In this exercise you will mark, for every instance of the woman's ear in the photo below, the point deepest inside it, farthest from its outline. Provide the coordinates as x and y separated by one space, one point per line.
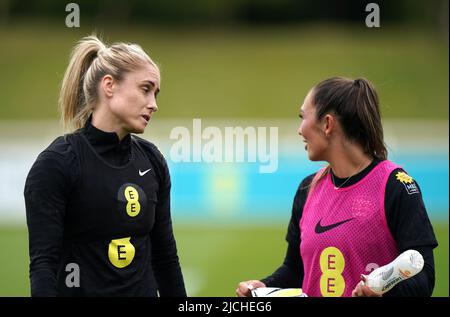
107 85
329 123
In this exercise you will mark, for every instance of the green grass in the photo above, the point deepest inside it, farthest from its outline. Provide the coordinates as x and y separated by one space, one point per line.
213 258
238 71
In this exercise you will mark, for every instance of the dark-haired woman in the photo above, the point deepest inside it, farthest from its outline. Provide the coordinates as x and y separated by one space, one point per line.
359 212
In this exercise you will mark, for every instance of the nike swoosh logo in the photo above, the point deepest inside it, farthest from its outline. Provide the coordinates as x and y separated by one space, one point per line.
144 172
322 229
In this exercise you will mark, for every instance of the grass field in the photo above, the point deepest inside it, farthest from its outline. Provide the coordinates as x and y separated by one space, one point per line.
238 72
213 258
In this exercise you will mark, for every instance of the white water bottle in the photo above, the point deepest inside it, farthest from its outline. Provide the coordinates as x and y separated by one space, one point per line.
405 266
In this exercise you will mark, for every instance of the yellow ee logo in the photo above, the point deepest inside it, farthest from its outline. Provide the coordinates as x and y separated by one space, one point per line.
332 265
121 252
132 197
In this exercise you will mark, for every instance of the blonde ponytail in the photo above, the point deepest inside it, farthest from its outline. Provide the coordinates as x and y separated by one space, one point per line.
72 103
90 61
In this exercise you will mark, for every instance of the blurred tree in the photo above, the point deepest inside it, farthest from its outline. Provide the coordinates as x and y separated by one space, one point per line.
4 12
432 12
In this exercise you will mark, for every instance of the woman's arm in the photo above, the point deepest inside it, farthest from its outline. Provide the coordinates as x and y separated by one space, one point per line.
411 228
46 191
164 250
290 273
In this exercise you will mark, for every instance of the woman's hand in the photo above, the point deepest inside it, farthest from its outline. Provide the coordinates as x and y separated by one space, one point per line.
361 290
244 288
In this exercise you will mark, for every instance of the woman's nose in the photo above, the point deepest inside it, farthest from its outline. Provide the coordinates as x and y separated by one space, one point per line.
153 107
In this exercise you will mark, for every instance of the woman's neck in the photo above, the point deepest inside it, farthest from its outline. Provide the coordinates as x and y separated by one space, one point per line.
348 161
107 123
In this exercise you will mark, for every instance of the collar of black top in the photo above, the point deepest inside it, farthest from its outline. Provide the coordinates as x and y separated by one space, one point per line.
103 138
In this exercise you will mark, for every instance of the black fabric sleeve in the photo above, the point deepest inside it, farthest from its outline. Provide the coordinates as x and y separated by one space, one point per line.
411 228
291 272
420 285
46 190
164 250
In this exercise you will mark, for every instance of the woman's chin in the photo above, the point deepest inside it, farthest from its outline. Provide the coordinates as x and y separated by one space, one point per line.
312 157
139 128
139 131
136 130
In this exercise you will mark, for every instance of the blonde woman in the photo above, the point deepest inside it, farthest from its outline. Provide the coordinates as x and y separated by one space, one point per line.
98 198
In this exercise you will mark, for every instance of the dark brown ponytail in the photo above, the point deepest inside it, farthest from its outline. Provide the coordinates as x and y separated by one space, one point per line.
356 105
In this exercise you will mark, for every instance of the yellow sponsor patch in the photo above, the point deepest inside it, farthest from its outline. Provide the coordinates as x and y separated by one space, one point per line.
408 182
121 252
132 197
332 264
404 178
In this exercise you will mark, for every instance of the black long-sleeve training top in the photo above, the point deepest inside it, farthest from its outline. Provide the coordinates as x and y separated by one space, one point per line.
408 223
100 208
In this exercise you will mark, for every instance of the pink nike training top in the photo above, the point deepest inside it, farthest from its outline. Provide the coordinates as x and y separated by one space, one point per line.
344 233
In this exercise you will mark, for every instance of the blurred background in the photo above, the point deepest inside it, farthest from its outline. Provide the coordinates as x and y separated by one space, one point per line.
239 63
